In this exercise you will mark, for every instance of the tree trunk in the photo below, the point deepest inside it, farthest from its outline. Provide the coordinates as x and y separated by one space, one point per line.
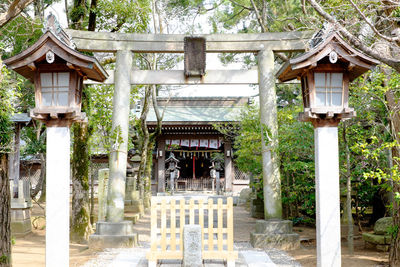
77 14
394 255
349 215
145 142
92 16
5 216
80 217
149 161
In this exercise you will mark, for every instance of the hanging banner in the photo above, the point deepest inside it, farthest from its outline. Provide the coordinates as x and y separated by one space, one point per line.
176 142
213 143
203 142
185 142
194 143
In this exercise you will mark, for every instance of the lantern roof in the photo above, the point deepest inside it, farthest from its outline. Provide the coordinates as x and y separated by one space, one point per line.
171 158
27 62
322 45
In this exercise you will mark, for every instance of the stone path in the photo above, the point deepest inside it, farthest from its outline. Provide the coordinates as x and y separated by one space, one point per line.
136 257
248 256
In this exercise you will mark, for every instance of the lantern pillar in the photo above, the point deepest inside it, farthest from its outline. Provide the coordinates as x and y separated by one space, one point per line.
327 194
120 125
269 122
57 195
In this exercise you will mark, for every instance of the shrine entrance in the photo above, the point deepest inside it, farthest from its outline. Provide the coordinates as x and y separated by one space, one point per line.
194 170
264 45
188 132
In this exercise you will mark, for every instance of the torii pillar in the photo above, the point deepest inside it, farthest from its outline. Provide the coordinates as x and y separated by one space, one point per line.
273 232
115 231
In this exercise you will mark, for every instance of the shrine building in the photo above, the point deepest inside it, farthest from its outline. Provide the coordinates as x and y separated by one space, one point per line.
188 133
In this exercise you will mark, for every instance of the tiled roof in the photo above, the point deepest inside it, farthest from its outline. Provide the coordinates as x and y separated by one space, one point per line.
197 114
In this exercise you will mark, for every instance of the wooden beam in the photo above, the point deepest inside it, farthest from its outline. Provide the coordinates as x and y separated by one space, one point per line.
173 43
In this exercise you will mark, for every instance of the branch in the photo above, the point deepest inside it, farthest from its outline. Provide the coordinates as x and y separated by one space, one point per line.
15 8
264 29
353 40
390 39
242 6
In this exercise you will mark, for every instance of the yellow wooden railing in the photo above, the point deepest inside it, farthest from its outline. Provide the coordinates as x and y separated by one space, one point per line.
168 218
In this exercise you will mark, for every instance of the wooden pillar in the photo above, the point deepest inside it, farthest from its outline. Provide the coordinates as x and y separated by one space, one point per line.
269 126
161 166
229 173
120 124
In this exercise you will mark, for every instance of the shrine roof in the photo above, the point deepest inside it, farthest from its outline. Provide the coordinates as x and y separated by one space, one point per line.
195 115
21 117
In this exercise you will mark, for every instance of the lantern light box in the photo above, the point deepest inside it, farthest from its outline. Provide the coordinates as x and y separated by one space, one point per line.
325 73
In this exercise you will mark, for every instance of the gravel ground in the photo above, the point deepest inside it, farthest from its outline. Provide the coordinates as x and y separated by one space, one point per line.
243 225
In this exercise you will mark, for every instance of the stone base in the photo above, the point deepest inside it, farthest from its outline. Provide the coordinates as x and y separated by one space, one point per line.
21 222
274 234
113 235
132 217
113 241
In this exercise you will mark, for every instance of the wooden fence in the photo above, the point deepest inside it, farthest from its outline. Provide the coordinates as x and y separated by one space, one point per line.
190 184
168 219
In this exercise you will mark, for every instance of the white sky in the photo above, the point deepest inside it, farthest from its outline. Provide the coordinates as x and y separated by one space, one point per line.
58 9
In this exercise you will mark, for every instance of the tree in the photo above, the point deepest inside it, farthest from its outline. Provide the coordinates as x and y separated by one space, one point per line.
372 28
8 13
126 16
7 98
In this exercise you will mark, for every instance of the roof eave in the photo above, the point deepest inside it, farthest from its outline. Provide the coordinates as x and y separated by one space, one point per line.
91 62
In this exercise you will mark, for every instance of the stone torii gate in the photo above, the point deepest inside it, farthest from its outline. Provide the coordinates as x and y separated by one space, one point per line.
123 45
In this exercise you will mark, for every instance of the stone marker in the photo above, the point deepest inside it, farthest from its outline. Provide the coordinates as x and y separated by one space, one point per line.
192 254
12 188
21 198
102 193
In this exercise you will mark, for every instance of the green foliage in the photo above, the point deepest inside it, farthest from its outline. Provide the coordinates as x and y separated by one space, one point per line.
8 94
248 142
296 151
123 16
4 259
100 117
78 12
19 34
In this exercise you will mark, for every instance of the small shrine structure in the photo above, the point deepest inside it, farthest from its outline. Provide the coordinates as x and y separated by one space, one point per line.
188 133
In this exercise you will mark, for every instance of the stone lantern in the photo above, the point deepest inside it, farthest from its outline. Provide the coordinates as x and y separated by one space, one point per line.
57 71
325 73
173 170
